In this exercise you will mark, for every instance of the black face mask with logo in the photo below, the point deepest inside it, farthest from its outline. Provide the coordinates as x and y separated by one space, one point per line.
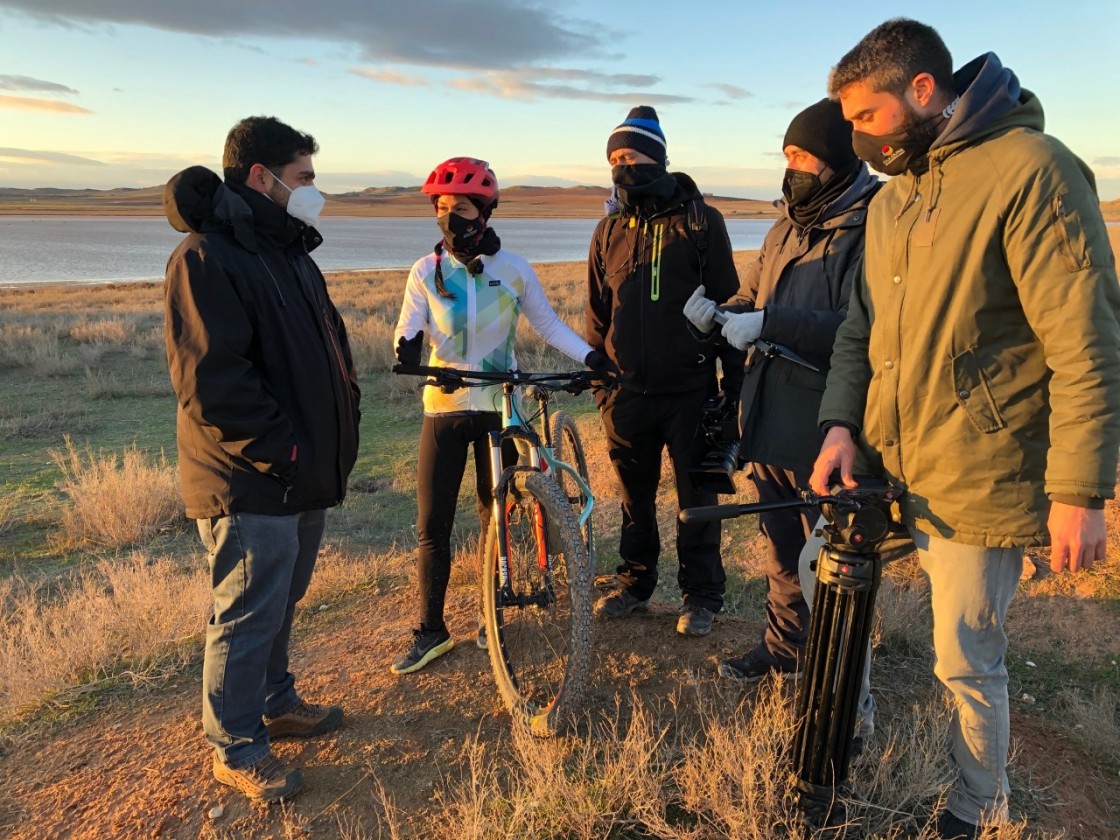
899 151
461 234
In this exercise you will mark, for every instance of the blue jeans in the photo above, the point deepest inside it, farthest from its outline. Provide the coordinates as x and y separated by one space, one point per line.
260 567
971 588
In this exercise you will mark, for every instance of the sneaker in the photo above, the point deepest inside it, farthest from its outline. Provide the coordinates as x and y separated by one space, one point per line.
752 668
619 604
266 780
304 721
952 827
426 646
480 639
695 621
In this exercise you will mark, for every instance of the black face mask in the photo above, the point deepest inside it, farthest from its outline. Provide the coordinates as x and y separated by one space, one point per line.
799 187
638 175
461 234
895 153
638 183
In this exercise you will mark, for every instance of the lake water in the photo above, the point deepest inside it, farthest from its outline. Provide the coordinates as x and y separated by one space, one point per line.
37 249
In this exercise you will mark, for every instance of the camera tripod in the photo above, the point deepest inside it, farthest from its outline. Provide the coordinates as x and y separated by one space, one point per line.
848 570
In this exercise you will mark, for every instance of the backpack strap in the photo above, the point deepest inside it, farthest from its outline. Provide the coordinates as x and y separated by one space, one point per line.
697 224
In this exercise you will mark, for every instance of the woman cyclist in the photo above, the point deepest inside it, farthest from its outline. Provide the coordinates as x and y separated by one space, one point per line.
467 296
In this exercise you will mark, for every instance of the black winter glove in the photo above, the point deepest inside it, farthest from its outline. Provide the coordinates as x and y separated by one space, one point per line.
601 364
408 350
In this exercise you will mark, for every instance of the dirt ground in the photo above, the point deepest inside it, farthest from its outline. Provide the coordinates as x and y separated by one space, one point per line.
139 767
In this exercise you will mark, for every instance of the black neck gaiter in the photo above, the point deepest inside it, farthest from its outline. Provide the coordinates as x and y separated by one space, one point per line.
643 184
807 197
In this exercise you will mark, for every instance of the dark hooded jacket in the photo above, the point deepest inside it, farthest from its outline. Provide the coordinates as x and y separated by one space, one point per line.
642 268
802 278
268 397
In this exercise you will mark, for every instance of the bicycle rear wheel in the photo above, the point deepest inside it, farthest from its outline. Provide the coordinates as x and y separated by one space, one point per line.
538 626
567 447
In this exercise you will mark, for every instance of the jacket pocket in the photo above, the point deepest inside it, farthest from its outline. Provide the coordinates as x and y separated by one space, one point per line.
1071 236
973 394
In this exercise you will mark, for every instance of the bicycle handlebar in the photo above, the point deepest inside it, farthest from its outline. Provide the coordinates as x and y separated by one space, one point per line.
451 379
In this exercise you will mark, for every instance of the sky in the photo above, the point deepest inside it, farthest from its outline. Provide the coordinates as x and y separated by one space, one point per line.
124 93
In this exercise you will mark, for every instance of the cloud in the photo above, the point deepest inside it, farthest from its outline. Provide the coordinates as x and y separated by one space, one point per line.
420 32
28 103
1111 160
731 91
529 83
40 157
27 83
391 77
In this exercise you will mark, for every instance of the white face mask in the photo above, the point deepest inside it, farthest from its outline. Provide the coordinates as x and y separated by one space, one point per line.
305 203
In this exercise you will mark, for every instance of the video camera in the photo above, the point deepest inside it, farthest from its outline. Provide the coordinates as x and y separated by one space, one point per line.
720 422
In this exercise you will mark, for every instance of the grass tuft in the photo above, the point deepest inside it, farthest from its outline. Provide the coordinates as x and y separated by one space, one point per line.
116 500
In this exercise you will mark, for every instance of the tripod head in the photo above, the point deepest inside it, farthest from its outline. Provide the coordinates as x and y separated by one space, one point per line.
859 518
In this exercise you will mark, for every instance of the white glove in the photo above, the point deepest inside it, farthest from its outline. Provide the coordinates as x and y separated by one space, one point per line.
700 311
743 329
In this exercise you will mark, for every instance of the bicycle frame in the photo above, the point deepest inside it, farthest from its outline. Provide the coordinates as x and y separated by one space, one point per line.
541 457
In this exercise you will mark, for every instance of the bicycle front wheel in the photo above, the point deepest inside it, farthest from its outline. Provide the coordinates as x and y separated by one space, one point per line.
567 447
538 625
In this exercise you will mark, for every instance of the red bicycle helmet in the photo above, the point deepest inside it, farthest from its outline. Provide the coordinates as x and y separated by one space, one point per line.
463 176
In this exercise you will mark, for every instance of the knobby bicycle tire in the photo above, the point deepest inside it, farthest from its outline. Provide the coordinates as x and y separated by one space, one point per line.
568 447
539 640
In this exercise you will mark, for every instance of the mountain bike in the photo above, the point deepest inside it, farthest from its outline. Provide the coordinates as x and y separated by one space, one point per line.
536 561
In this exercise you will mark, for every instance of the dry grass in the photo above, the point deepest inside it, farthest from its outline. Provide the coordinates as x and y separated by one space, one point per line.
116 500
8 515
136 620
116 331
70 417
655 773
338 574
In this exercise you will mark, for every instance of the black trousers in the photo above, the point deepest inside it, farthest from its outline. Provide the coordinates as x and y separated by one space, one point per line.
638 428
787 615
444 444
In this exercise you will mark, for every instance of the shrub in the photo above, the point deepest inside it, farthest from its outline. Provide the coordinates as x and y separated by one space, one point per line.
116 500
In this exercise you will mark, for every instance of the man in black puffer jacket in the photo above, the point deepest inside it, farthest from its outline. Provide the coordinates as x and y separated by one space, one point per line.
795 296
267 429
646 260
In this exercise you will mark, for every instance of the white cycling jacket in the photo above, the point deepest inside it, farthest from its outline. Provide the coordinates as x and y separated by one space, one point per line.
476 329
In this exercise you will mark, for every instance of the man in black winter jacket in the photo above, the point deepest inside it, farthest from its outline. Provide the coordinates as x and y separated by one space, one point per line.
646 260
267 430
794 298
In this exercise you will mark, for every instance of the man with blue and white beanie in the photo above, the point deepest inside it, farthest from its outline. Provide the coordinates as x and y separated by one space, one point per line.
647 257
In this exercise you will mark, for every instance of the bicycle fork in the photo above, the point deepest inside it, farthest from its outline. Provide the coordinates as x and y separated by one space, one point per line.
499 515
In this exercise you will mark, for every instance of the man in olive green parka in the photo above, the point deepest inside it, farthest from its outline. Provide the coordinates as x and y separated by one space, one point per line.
979 364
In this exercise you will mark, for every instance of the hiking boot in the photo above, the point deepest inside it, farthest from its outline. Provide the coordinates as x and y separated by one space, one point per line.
426 646
695 621
266 780
480 639
304 721
619 604
752 668
952 827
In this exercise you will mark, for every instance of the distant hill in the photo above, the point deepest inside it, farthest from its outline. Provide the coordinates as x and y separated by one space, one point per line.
524 201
